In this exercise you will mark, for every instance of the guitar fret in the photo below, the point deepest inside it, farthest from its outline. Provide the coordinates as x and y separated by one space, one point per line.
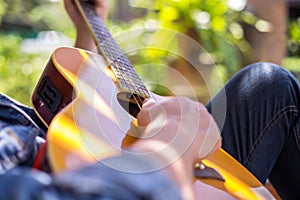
112 53
130 80
104 38
126 71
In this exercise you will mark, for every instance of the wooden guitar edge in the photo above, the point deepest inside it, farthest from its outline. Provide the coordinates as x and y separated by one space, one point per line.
221 159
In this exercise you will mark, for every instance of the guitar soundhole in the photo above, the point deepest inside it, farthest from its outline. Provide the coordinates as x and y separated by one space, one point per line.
130 102
129 96
49 95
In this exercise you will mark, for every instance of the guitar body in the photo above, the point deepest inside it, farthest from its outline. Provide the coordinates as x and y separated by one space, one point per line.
88 123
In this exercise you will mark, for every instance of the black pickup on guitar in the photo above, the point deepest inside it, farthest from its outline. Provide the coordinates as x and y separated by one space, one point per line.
49 95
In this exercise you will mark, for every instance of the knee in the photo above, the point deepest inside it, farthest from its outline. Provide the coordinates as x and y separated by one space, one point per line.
269 73
264 78
267 70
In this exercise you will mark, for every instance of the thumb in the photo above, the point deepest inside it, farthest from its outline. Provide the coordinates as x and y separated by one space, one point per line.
144 115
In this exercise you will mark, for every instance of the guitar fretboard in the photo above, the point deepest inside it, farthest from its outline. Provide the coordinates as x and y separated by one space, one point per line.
110 50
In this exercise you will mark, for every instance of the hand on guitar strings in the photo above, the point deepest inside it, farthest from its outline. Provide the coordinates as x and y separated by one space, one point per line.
180 132
179 121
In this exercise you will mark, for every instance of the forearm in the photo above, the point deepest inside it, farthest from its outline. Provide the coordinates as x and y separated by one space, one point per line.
85 41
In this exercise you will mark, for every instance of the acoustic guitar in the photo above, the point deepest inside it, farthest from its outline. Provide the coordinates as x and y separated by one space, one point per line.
89 103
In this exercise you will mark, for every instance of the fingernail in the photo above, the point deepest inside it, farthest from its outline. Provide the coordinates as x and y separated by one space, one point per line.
145 100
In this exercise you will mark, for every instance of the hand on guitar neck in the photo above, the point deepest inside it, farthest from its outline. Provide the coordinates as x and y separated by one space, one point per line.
84 39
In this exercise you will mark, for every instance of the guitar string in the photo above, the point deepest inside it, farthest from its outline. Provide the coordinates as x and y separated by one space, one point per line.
147 95
123 73
88 10
113 62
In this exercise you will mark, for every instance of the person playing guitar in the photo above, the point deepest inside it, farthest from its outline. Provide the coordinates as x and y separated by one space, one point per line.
261 131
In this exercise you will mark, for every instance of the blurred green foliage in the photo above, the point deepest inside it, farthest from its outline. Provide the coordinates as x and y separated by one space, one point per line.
292 64
292 61
294 37
19 71
217 27
212 23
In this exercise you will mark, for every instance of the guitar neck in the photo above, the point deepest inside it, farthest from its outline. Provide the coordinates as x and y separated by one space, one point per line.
127 78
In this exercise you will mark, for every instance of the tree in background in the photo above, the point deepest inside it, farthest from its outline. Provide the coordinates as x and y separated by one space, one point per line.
268 38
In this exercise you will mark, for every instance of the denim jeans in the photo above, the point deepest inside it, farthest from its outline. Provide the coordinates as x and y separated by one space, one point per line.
21 134
260 124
